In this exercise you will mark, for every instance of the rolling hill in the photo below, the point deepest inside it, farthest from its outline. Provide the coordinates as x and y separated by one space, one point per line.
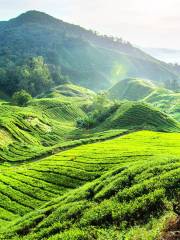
139 116
144 90
86 58
49 124
119 179
131 89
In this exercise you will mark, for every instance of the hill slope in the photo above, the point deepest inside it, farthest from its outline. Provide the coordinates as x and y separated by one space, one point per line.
144 90
123 191
135 115
131 89
88 59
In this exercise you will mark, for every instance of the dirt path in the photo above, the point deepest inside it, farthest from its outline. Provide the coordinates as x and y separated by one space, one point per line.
172 232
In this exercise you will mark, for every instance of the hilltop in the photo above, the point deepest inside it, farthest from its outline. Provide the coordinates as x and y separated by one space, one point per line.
131 89
144 90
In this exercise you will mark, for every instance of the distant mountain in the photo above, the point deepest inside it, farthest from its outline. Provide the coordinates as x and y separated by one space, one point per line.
88 59
164 54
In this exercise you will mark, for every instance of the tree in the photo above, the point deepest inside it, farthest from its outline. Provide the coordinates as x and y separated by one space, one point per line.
86 122
35 77
21 98
99 102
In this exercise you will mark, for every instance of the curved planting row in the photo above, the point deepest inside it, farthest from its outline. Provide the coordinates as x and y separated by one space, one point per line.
104 189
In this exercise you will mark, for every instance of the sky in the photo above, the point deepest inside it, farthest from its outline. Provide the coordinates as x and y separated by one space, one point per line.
146 23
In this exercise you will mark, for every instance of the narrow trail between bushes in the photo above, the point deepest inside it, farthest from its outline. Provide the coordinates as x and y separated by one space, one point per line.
172 232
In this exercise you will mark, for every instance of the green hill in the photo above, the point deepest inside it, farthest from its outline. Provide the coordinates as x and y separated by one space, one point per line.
131 89
68 90
136 115
144 90
27 132
59 181
85 57
122 188
168 102
74 164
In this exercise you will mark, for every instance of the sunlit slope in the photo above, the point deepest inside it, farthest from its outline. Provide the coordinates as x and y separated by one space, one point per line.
30 131
138 115
131 89
144 90
168 102
125 182
69 90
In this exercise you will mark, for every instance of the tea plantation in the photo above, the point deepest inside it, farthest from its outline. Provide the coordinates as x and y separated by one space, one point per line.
118 179
108 190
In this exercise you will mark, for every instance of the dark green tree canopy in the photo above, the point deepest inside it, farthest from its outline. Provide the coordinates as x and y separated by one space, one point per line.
33 75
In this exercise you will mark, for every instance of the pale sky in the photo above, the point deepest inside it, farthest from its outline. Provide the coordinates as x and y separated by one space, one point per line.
149 23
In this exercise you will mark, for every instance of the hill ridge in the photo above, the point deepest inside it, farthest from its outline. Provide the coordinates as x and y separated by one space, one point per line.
88 59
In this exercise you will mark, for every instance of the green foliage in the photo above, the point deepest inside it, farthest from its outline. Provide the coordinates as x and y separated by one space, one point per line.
104 190
59 178
87 122
21 98
33 75
129 115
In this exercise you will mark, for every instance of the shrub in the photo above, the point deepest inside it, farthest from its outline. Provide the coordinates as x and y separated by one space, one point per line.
87 122
21 98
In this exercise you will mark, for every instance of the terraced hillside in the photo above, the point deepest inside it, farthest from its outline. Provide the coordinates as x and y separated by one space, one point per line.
135 89
112 181
30 131
118 189
131 89
136 115
69 90
168 102
48 124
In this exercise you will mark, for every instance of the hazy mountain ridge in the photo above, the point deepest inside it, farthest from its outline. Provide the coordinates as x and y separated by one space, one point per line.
88 59
164 54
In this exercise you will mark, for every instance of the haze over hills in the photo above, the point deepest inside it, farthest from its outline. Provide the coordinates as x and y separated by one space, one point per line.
163 54
87 58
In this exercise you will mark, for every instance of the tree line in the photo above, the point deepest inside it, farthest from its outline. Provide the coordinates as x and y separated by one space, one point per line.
33 76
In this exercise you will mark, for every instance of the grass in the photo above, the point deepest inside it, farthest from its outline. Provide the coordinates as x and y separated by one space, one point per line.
107 189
